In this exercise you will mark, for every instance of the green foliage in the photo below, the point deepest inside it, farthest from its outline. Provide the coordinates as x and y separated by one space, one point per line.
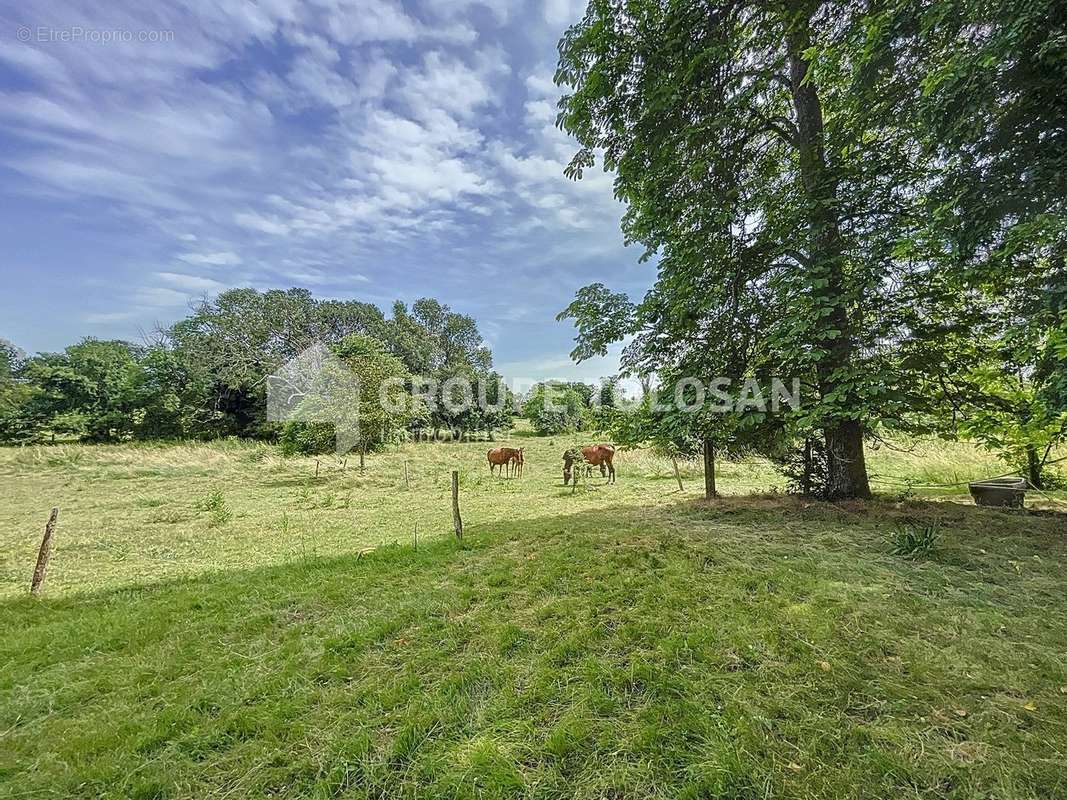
17 426
983 111
383 406
307 438
914 541
214 505
10 360
868 197
804 467
556 407
87 390
206 376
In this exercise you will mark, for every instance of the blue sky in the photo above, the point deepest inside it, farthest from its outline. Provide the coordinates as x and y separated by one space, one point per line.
363 149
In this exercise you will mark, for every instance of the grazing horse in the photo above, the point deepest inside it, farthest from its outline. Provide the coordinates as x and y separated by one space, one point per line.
506 457
597 455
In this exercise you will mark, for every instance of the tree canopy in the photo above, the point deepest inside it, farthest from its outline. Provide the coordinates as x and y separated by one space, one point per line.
809 178
206 375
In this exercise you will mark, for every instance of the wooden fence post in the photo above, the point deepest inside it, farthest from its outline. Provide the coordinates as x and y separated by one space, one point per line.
45 553
678 475
457 521
407 480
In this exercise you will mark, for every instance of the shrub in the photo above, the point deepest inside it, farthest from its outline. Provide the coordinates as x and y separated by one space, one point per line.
307 438
804 468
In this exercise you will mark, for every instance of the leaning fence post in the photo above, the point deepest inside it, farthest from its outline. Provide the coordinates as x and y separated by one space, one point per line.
44 553
407 480
677 474
457 521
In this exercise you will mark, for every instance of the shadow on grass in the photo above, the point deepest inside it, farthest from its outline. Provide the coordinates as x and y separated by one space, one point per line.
759 515
617 650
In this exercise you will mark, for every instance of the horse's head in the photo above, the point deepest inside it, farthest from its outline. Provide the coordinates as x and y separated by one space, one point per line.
569 457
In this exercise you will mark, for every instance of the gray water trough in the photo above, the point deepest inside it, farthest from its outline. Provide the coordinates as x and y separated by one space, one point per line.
1003 492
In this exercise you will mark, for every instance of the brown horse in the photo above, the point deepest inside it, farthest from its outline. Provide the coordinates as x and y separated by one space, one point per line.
597 455
506 457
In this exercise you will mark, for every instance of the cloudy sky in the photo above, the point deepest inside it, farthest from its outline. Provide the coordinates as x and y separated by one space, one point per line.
152 153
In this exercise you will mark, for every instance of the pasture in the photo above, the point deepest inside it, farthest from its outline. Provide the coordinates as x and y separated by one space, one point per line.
220 622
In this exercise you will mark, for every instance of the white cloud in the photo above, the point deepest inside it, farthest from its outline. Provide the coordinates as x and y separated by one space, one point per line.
220 259
315 80
541 85
559 13
190 283
106 317
258 222
389 146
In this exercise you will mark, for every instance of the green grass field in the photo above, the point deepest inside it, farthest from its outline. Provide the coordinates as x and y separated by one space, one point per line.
220 622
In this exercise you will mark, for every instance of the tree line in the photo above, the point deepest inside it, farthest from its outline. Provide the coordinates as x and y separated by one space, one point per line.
207 375
869 197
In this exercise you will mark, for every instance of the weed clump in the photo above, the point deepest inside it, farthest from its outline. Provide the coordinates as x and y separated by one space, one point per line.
214 504
914 541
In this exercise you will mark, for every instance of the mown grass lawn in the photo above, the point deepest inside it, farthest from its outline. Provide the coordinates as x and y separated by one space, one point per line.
616 642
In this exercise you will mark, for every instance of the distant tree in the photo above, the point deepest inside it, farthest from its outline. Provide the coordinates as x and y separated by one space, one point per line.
169 402
554 407
370 404
454 337
86 390
18 424
498 413
10 359
446 348
229 345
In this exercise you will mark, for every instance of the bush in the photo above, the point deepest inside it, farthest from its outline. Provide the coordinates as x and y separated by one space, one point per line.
307 438
804 468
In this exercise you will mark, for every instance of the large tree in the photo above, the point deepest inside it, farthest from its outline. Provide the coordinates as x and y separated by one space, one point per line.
977 89
755 199
87 390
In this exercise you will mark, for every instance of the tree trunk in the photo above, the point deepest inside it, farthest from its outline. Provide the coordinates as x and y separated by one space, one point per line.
805 481
846 469
709 469
1033 468
677 474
